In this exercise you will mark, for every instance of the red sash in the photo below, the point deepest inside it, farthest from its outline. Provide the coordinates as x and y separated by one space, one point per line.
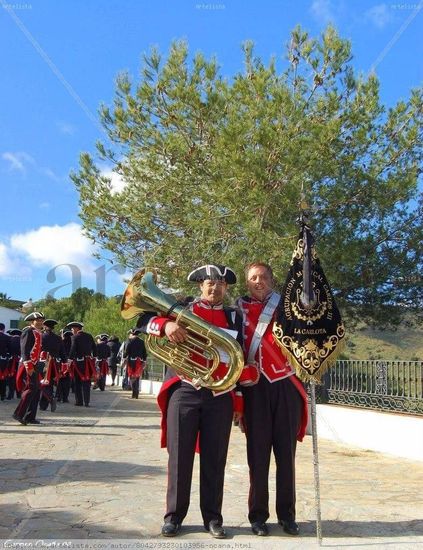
89 371
135 368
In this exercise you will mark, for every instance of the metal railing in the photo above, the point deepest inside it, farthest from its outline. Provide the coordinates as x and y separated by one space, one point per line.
155 369
383 385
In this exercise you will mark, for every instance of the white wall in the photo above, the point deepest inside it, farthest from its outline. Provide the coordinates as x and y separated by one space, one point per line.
8 314
393 433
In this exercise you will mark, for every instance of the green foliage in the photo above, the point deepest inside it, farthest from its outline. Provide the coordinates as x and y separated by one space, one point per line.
98 313
105 317
74 308
214 170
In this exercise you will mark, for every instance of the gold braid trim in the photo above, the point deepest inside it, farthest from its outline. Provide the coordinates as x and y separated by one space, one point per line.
310 361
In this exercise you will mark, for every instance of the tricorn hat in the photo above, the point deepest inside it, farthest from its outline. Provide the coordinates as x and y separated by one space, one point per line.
34 315
51 323
212 272
14 332
75 324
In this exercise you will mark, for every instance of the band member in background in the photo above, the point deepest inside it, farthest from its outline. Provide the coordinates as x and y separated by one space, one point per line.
275 405
4 360
64 383
101 365
135 355
123 360
189 413
82 353
27 379
52 354
114 346
15 355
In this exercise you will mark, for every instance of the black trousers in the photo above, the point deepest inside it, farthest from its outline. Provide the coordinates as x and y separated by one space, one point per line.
11 382
3 389
63 389
191 412
135 385
272 415
27 407
46 395
113 371
4 363
82 387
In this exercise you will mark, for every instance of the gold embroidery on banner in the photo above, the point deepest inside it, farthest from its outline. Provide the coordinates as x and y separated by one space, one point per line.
307 356
307 314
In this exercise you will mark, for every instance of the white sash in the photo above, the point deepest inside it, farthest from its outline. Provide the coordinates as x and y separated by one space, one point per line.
262 324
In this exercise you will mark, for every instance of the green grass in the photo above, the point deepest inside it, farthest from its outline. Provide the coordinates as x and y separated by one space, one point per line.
405 344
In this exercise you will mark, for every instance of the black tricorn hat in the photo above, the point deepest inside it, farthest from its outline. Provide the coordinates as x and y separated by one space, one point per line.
34 315
103 337
136 331
14 332
212 272
51 323
75 324
65 331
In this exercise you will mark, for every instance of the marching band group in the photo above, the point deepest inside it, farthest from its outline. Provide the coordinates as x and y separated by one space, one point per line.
268 401
41 367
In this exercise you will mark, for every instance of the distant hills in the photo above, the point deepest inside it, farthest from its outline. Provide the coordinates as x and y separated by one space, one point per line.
404 344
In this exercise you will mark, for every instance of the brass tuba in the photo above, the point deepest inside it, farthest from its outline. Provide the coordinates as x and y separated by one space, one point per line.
205 343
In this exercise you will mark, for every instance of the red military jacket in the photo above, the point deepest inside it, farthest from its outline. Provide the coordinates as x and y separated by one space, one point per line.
270 361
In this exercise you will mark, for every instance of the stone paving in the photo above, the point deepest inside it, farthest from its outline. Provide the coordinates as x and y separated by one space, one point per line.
96 478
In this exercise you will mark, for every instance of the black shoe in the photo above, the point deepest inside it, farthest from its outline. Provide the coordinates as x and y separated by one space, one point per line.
87 404
216 530
65 400
170 529
289 526
9 397
260 529
35 421
53 405
21 420
78 404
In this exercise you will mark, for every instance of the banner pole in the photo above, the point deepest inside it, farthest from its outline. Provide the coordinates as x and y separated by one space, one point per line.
316 463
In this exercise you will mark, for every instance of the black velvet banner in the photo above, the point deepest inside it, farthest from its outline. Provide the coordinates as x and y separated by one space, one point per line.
309 328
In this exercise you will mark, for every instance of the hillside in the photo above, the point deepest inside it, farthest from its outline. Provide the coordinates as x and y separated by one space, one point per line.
404 344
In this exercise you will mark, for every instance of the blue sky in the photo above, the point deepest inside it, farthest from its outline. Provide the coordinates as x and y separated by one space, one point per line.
59 61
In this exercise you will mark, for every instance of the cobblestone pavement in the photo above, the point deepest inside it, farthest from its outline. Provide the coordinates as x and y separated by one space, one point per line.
97 476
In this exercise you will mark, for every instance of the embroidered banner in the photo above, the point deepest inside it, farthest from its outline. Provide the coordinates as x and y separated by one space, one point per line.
308 328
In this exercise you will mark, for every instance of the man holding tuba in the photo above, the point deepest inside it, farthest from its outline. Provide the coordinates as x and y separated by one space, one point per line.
197 417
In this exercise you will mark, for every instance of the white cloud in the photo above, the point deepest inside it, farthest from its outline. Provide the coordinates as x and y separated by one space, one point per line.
55 245
45 205
11 266
322 11
379 15
117 183
17 161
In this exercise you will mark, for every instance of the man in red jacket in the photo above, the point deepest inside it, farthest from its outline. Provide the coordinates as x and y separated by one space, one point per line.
28 377
192 415
275 405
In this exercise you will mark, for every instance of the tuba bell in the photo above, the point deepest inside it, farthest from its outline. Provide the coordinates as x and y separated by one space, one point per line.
199 356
